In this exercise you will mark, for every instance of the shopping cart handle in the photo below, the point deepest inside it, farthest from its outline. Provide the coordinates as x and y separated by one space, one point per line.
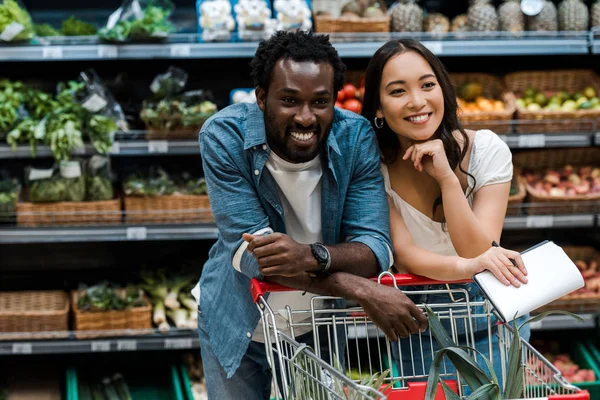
259 288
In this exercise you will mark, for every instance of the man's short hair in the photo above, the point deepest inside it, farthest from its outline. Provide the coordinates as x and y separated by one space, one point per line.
297 46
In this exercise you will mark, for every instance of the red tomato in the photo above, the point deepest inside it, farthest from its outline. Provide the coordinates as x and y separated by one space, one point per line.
341 96
349 91
339 104
353 105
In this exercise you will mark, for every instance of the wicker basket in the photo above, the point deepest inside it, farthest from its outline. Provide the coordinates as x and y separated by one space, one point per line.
175 134
46 312
556 158
166 209
552 82
69 213
492 87
515 201
328 24
135 318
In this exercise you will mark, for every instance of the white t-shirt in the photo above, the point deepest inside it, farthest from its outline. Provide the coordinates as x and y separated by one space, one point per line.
300 194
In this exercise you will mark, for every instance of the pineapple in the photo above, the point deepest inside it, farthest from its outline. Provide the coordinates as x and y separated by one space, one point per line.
407 16
546 20
482 16
573 15
596 14
511 16
436 23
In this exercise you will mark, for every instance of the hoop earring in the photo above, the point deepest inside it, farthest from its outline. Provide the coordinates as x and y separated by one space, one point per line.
378 124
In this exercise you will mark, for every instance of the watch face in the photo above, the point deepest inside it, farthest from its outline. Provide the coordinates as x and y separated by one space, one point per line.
320 252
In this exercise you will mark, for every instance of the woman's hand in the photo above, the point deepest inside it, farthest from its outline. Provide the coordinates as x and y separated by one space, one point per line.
497 261
430 157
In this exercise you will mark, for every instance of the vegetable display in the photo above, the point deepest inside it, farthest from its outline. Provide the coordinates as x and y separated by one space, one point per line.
15 22
9 193
159 183
148 24
107 296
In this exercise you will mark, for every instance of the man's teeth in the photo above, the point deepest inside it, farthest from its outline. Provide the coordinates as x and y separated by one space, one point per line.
419 118
302 136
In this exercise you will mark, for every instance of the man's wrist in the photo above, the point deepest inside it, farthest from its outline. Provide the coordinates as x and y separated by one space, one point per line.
311 262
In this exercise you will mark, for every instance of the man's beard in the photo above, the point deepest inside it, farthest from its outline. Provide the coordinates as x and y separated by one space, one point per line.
281 143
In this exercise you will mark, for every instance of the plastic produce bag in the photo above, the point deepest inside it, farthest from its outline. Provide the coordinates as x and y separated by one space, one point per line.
187 110
65 183
156 183
15 22
98 185
139 20
169 83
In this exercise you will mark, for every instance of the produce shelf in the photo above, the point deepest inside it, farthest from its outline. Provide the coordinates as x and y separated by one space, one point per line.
176 339
351 45
10 235
550 221
563 322
595 40
597 139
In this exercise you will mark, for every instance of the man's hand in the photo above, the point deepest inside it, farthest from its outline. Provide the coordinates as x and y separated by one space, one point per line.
392 311
279 254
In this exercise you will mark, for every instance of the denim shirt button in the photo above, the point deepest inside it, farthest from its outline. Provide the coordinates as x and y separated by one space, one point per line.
256 172
249 334
264 146
253 147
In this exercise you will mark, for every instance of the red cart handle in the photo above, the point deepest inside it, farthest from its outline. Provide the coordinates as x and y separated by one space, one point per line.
259 288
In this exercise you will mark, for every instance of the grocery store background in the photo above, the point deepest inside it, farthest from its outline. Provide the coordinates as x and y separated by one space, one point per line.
55 250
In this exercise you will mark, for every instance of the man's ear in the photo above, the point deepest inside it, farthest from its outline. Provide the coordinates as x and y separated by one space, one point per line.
261 98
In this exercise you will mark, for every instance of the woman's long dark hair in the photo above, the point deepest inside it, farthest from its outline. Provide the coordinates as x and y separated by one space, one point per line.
387 139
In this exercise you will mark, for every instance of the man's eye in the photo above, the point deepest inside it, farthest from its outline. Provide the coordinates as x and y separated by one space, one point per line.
288 100
322 101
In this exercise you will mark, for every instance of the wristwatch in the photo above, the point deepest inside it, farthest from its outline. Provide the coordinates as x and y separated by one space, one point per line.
321 254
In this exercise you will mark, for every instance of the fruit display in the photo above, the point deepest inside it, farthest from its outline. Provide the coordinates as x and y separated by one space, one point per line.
460 23
595 22
567 181
573 15
570 370
362 9
350 97
471 99
536 100
512 18
407 16
482 16
546 20
591 275
436 23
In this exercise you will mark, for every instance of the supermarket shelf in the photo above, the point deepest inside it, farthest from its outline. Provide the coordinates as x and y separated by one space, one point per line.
550 221
595 40
597 138
10 235
179 340
524 141
563 322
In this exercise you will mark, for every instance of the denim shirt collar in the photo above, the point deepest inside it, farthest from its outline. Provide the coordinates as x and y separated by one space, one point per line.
256 135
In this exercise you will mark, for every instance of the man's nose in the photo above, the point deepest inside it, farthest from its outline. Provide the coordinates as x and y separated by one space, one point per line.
305 116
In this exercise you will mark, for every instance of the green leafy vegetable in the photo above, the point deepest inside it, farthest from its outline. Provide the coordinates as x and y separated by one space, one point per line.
100 129
76 27
106 296
11 12
46 30
63 133
9 193
154 25
27 131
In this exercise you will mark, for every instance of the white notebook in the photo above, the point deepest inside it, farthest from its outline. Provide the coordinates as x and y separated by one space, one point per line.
551 275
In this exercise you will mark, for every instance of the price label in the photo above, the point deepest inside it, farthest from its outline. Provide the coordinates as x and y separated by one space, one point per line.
158 146
435 47
100 346
52 52
540 221
180 343
108 51
22 348
126 345
137 233
181 50
115 148
532 140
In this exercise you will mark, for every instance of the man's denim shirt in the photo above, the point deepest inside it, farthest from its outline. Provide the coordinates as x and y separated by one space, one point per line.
244 199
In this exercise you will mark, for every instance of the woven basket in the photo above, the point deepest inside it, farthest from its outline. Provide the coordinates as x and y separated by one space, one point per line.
97 321
327 24
165 209
175 134
515 201
492 88
556 158
69 213
25 312
551 82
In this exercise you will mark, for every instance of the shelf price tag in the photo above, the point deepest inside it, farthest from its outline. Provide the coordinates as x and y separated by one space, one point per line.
539 221
22 348
100 346
105 51
528 140
158 146
181 50
137 233
115 148
436 48
179 343
126 345
52 52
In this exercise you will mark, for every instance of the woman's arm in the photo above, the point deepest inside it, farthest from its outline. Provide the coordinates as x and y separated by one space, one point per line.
419 261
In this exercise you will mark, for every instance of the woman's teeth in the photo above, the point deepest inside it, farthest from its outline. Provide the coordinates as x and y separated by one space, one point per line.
303 137
419 118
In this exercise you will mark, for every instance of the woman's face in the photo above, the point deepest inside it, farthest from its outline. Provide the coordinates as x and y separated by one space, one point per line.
411 98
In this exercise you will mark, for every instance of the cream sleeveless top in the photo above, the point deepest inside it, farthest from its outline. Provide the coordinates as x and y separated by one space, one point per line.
490 163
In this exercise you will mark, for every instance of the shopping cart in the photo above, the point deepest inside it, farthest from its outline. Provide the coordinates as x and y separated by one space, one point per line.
302 372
